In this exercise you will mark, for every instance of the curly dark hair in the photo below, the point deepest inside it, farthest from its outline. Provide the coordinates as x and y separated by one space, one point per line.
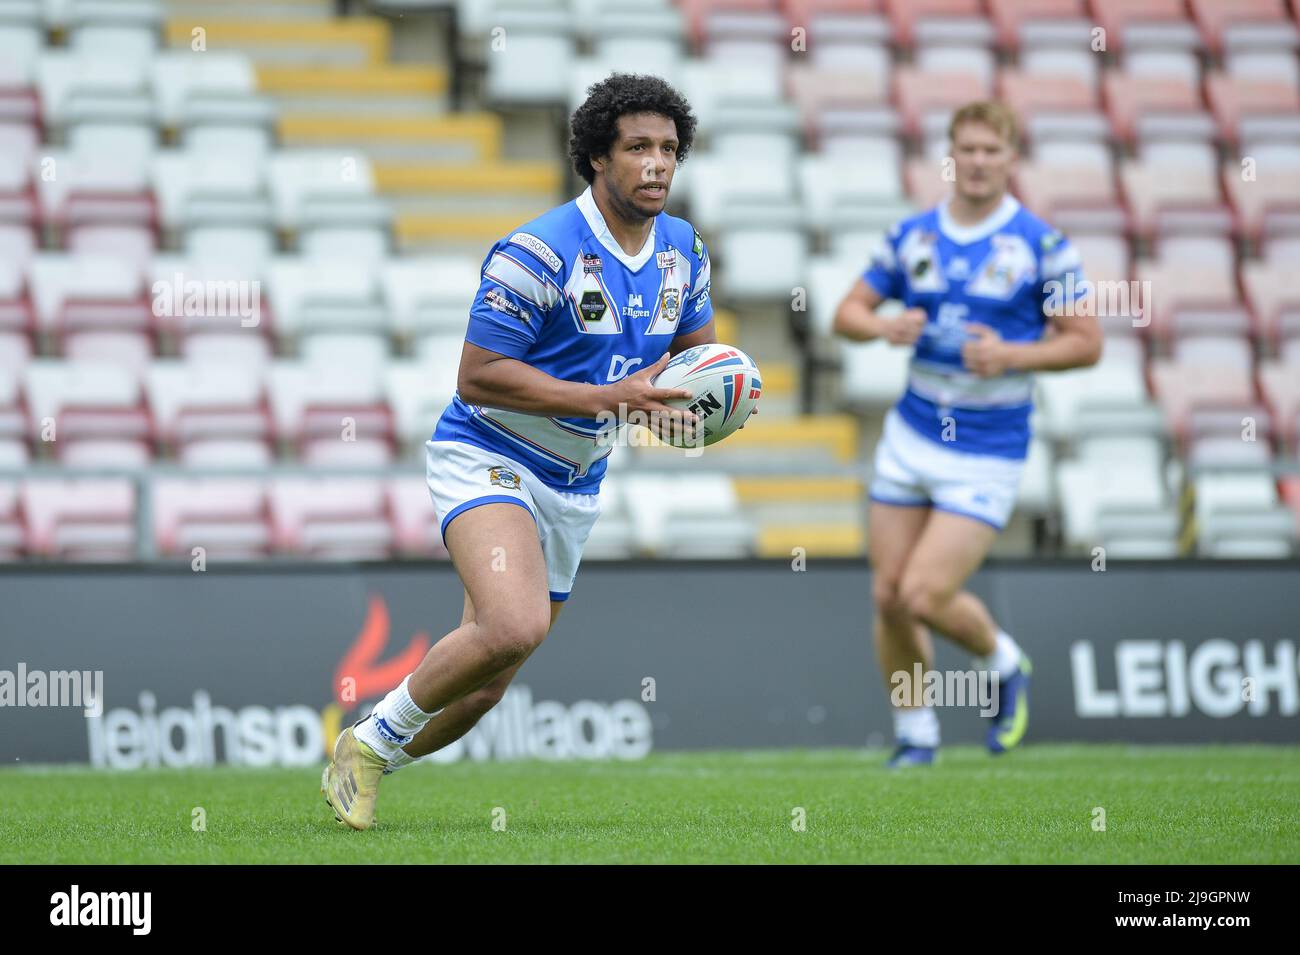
595 122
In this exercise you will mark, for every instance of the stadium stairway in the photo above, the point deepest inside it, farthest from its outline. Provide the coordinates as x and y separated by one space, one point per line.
336 86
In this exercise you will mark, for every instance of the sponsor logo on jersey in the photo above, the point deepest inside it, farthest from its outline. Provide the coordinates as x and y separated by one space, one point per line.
591 262
958 269
592 305
620 367
539 248
505 477
666 260
670 304
633 308
698 247
495 299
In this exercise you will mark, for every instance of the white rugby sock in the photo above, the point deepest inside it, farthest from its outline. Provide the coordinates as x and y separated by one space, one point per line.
399 759
1004 659
393 723
918 725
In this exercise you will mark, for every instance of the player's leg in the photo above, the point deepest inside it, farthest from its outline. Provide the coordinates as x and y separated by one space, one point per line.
952 548
460 717
496 550
901 641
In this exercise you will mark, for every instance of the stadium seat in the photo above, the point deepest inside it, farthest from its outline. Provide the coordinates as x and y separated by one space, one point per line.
1243 23
1239 516
1143 23
1247 108
1039 18
80 518
415 522
227 517
331 518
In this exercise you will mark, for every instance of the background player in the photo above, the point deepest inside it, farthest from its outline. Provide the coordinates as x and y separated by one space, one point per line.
976 276
577 311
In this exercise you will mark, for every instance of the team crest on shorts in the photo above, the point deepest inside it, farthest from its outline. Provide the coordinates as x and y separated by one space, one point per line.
505 477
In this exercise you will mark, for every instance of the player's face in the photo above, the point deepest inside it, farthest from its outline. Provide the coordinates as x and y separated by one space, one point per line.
983 160
641 163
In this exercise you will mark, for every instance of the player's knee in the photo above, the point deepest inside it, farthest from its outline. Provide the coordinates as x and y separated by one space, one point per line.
482 700
888 596
510 637
922 599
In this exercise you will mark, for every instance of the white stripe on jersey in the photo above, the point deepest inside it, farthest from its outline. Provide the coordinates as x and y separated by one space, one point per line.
515 276
952 388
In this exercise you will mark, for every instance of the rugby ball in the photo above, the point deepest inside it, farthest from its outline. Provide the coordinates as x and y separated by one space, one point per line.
724 385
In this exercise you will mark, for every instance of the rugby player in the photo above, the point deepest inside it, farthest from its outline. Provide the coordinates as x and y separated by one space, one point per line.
986 292
576 313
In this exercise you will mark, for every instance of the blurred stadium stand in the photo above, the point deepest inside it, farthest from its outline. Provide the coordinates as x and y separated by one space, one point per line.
344 167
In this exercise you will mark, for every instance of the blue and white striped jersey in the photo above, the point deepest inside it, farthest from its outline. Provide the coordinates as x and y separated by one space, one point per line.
1000 273
560 294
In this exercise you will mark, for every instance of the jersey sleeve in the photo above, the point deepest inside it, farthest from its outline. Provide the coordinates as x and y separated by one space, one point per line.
1061 269
699 306
883 273
518 291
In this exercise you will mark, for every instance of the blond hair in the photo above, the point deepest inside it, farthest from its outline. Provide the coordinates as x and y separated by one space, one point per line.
997 116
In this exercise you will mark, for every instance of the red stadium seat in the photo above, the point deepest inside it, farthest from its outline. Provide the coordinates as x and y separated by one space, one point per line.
227 517
1011 16
1181 199
335 518
1075 199
1215 17
699 12
1266 203
1181 387
80 518
906 13
415 522
1243 106
1132 100
13 539
1279 384
1145 23
931 94
1179 285
1273 291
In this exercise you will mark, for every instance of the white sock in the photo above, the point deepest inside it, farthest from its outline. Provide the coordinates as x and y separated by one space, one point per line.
393 723
398 760
1004 659
918 725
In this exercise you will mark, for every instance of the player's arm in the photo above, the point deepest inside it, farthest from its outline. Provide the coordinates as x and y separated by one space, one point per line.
706 335
489 378
857 320
1072 342
1074 337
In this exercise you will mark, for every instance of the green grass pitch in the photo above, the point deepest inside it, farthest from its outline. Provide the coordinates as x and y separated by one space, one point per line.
1202 804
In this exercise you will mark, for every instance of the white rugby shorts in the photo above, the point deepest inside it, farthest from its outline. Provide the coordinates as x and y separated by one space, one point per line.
461 476
913 471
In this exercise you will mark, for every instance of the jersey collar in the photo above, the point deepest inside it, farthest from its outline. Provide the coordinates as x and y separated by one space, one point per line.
591 212
966 234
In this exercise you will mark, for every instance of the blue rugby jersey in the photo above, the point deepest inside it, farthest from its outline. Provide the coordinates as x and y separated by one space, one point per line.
560 294
999 272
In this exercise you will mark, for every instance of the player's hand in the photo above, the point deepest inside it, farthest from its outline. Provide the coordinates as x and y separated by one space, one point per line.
985 353
906 328
637 393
